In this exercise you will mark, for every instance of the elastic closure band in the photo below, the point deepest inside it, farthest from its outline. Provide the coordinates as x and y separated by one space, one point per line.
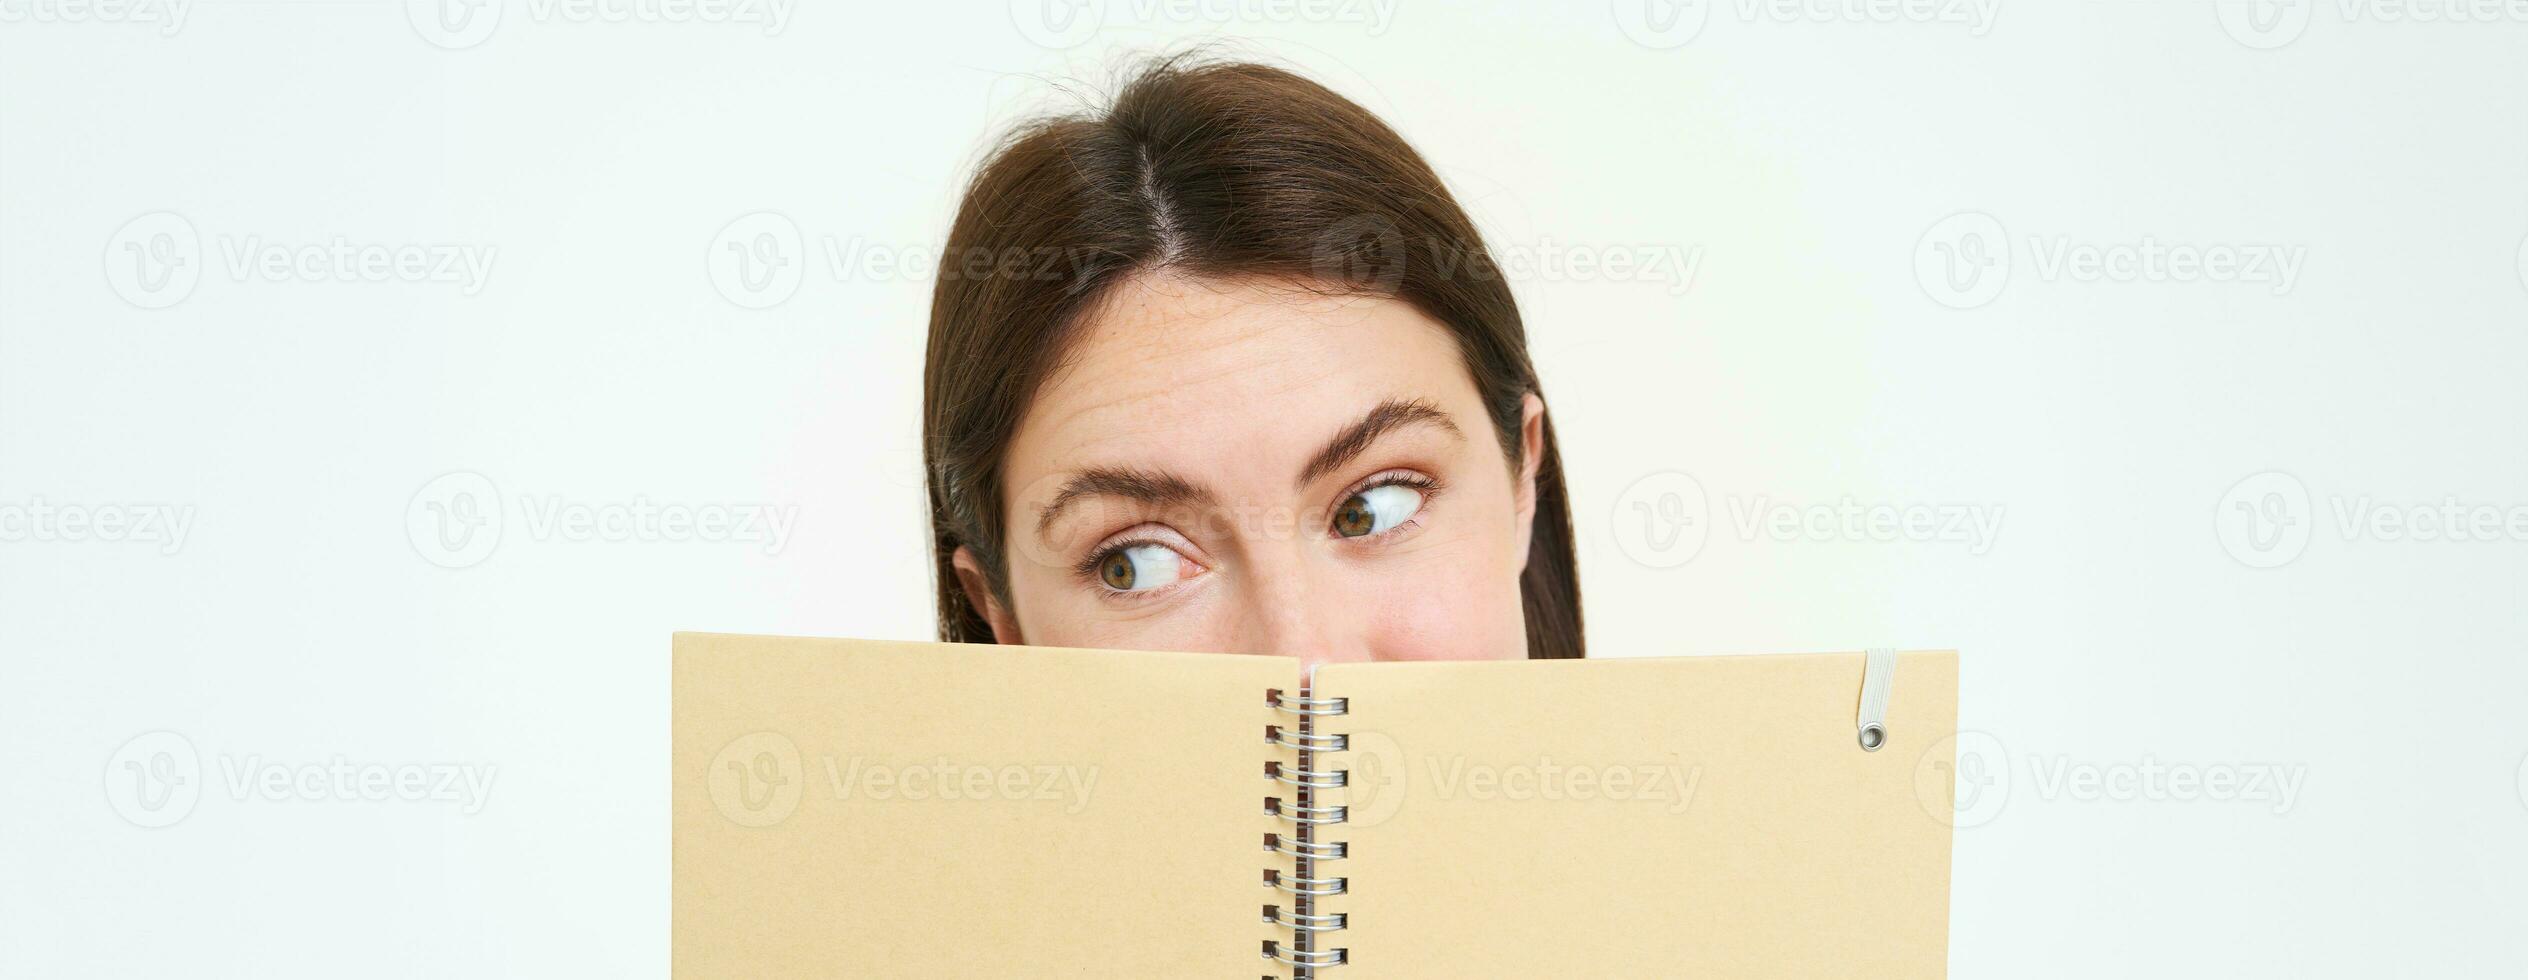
1878 674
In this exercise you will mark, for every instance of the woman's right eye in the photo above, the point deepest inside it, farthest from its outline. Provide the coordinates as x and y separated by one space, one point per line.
1139 567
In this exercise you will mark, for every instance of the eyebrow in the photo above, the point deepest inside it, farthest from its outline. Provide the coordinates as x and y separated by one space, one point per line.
1356 438
1145 486
1167 489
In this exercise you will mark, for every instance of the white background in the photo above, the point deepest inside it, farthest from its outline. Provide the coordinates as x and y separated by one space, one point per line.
2150 611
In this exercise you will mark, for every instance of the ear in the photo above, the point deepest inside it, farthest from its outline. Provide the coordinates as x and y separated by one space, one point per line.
1531 458
978 588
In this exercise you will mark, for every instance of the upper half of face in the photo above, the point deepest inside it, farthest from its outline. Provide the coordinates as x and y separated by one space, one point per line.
1249 468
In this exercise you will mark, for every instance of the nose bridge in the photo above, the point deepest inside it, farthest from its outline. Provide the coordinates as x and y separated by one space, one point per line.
1298 610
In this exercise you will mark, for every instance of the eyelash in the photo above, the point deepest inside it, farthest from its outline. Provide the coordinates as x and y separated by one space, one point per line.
1430 488
1087 568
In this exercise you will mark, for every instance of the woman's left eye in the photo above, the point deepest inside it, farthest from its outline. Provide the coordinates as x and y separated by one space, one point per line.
1139 568
1376 510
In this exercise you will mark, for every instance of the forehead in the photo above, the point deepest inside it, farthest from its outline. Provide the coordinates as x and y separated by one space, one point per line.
1228 381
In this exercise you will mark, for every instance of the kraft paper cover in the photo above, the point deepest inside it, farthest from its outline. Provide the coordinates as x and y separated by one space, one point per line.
1102 812
860 808
1703 816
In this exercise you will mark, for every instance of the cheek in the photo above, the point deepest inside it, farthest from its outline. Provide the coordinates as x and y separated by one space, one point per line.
1456 599
1460 617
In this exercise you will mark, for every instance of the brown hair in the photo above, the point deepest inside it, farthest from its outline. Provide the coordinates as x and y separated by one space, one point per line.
1215 170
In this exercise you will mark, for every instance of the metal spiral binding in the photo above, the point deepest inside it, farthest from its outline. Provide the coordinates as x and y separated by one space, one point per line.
1303 881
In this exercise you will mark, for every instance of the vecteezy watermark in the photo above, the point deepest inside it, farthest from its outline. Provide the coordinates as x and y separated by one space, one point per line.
2522 262
760 260
457 520
35 519
1964 261
1662 24
154 261
1966 780
458 24
760 779
1546 260
2273 784
1977 526
1369 254
156 779
1061 24
1669 783
2264 24
2269 24
941 779
1661 520
1378 779
167 15
2266 520
1963 780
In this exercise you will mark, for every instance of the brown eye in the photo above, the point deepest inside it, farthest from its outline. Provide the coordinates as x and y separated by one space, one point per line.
1141 568
1116 571
1354 518
1377 510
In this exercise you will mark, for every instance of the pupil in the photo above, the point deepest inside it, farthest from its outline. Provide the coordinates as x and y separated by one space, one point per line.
1354 519
1117 571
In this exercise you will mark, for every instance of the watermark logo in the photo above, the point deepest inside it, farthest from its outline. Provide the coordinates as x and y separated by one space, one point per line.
154 261
168 15
2264 24
1662 520
460 24
457 520
1976 526
756 780
1546 260
1064 24
1374 780
154 780
2275 786
1661 24
757 261
1057 24
1963 261
1963 780
763 259
467 786
1966 781
1378 777
2522 262
454 521
2267 520
454 24
945 780
2264 521
2269 24
2522 780
40 520
1363 253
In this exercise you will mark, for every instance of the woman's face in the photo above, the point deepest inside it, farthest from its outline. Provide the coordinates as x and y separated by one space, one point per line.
1247 468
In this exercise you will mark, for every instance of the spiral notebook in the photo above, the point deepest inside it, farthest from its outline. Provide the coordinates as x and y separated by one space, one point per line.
885 809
